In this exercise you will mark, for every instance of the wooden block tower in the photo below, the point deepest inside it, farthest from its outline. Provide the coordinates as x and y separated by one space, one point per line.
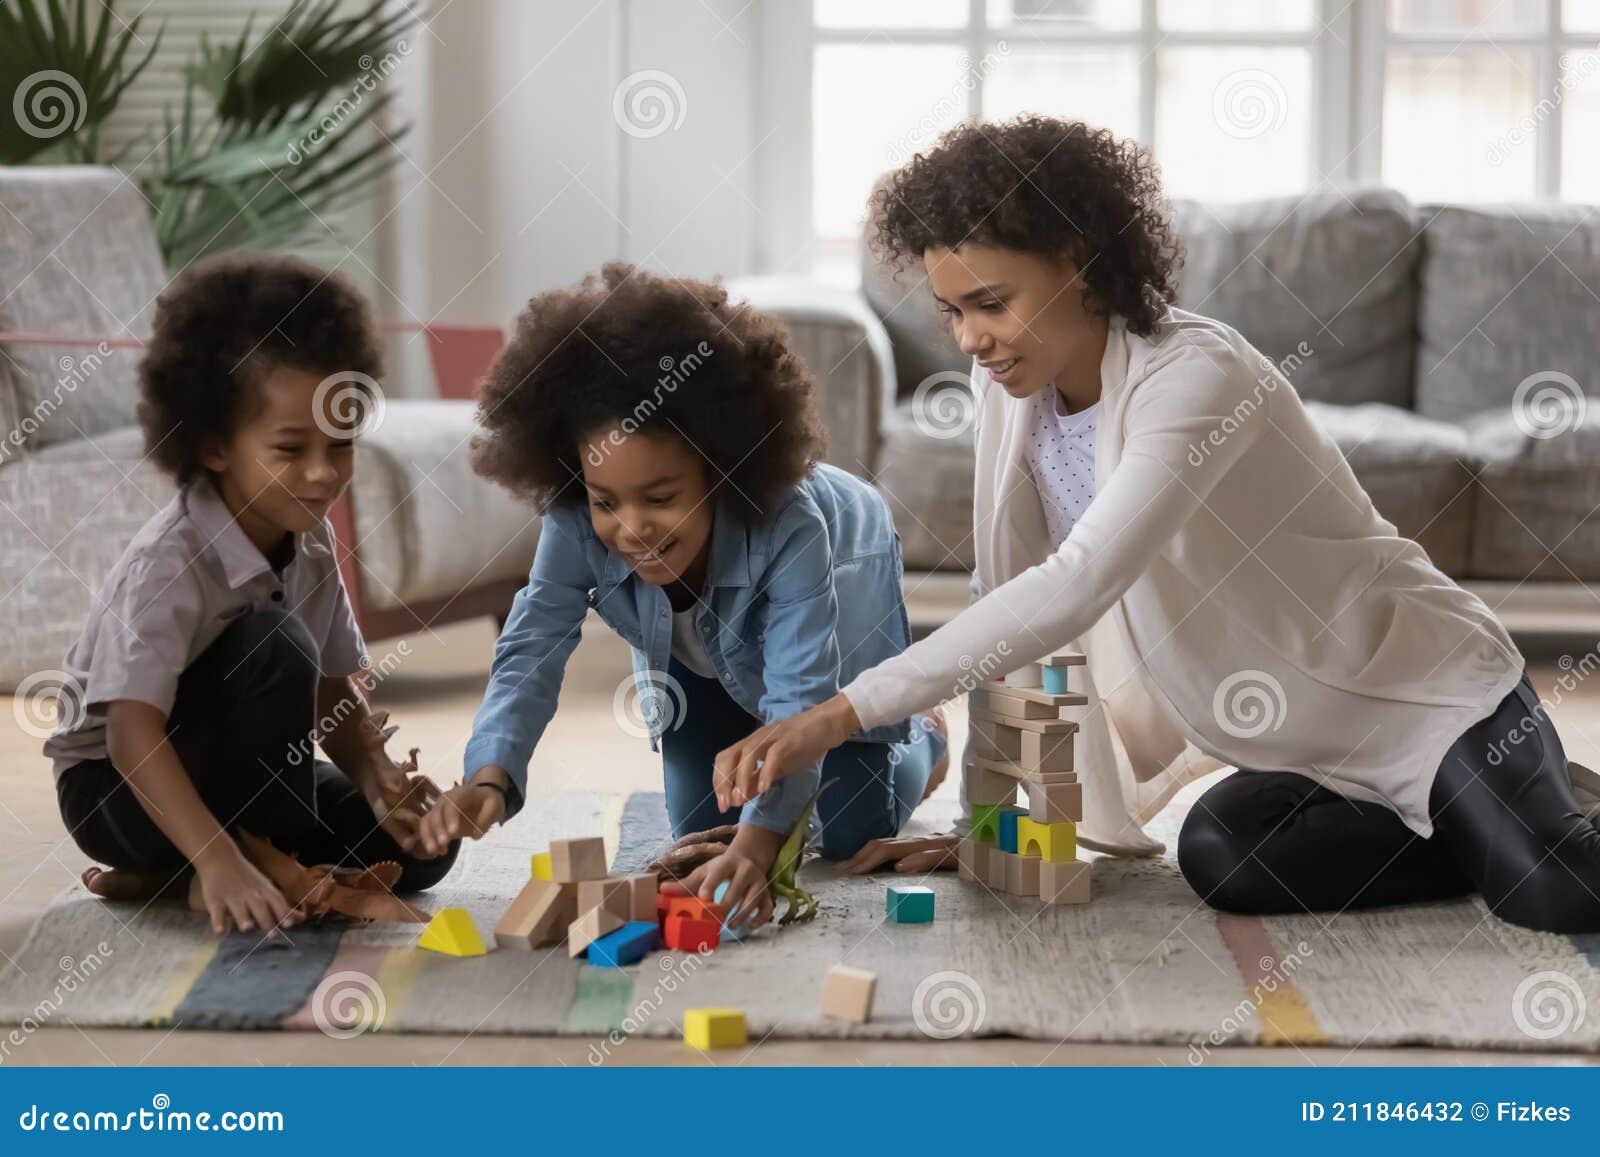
1019 738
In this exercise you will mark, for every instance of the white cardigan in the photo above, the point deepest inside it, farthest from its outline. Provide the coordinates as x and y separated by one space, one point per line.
1239 600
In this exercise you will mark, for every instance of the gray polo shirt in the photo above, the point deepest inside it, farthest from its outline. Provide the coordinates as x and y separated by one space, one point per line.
189 572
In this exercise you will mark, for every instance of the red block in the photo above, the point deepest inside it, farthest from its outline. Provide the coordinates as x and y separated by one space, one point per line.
687 934
662 900
695 908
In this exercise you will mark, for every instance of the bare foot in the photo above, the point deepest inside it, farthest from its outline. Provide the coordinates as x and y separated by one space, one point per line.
941 768
124 884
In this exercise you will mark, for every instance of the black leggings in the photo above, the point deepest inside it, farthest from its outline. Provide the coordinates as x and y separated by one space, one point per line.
1505 824
240 723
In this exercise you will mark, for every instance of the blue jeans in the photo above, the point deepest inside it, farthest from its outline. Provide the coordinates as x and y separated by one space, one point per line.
880 784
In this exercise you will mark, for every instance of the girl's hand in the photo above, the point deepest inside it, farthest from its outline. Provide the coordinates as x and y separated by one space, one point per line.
769 753
466 811
235 894
744 866
908 854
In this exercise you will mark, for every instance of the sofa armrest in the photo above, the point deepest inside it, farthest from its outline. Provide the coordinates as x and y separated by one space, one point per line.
838 336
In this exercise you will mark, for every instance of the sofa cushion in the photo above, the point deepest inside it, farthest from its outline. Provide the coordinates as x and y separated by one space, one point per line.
79 258
1536 511
1418 473
1324 285
1507 292
921 338
927 478
426 525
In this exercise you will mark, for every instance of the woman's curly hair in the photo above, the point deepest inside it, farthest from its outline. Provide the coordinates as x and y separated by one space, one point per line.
634 351
226 323
1040 185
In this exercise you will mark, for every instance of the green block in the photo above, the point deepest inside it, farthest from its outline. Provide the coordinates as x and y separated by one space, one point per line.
910 904
986 823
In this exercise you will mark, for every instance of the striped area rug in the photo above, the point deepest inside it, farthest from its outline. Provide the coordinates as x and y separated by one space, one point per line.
1145 962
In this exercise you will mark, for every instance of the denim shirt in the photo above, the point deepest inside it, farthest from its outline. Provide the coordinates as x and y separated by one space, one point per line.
794 606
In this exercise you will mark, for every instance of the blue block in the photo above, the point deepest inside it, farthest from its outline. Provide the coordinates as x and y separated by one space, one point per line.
1055 680
627 945
1008 827
910 904
727 933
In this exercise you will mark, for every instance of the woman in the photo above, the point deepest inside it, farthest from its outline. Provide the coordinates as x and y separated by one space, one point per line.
1151 490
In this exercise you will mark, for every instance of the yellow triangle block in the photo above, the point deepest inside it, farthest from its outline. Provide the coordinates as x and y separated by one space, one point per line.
451 932
541 868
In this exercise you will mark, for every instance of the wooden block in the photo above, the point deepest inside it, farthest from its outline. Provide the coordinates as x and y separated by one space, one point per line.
695 908
574 860
538 916
451 932
1054 803
1011 698
611 893
1065 883
1039 726
1046 752
642 896
1057 843
627 945
1011 706
1022 875
994 737
909 904
1062 660
972 863
686 934
998 869
1026 675
1055 680
990 787
539 867
1024 774
847 993
589 927
1008 828
985 827
714 1028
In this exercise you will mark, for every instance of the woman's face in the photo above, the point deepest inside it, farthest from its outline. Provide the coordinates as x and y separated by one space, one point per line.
650 502
1020 314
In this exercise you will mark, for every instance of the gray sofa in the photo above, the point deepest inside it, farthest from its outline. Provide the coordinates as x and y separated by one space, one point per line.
78 258
1418 324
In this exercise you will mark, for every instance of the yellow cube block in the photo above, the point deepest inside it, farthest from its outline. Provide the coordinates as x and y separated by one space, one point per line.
451 931
714 1028
541 868
1056 843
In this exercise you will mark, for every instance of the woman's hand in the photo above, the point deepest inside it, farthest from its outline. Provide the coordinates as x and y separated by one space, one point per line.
908 854
766 755
466 811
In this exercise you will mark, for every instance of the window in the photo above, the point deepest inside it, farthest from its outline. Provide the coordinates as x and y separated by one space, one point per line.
1456 100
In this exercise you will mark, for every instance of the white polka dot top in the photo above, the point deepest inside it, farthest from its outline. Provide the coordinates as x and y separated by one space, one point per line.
1061 455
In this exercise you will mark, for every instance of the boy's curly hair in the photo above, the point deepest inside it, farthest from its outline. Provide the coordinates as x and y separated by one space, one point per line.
642 353
1040 185
221 327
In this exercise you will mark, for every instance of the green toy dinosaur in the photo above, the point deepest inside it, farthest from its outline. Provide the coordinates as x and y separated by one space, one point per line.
781 876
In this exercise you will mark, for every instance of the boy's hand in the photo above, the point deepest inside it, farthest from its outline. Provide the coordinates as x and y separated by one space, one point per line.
466 811
744 866
235 893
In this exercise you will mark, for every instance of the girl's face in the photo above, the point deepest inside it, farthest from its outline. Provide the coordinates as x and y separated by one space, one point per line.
650 502
1020 314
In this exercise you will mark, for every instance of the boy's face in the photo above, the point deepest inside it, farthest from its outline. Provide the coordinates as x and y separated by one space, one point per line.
650 503
285 463
1020 314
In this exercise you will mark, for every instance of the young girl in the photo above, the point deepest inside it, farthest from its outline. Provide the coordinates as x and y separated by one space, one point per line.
1151 490
670 438
222 644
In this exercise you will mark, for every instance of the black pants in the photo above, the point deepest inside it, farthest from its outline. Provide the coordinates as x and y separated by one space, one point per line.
241 724
1506 825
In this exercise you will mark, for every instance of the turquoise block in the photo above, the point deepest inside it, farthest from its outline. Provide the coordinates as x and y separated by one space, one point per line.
627 945
1055 680
910 904
727 933
1008 827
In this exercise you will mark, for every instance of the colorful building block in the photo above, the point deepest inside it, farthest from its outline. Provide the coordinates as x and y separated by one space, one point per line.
847 993
1022 875
538 916
695 908
574 860
727 931
451 931
627 945
540 868
1064 883
611 893
642 896
1054 842
1008 827
714 1028
589 927
986 823
910 904
1054 680
687 934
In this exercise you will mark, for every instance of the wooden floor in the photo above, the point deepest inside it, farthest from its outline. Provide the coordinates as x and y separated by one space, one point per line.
433 690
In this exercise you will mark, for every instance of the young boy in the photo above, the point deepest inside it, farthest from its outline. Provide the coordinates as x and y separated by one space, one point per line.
222 644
